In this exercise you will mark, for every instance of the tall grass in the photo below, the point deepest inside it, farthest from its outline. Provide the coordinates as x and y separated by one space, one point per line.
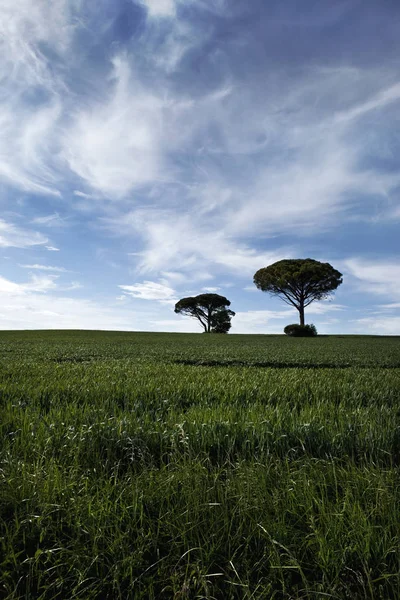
132 468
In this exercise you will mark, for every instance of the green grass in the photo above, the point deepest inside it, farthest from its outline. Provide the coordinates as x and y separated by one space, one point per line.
181 466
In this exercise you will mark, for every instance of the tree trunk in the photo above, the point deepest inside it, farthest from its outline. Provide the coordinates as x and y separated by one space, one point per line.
301 311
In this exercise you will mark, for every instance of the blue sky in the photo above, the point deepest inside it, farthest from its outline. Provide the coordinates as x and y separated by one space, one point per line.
155 149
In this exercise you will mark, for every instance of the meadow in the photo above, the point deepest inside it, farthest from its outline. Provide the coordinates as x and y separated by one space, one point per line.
191 466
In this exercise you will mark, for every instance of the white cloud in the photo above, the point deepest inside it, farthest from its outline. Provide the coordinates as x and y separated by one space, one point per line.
126 139
24 27
17 237
38 304
37 283
379 325
160 8
52 249
165 46
83 194
375 277
28 134
179 324
391 306
150 290
37 311
114 145
321 308
270 321
40 283
74 285
306 173
9 287
255 322
45 268
175 277
173 240
26 146
53 220
259 321
378 101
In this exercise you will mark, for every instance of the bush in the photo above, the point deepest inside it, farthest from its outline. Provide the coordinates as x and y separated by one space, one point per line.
296 330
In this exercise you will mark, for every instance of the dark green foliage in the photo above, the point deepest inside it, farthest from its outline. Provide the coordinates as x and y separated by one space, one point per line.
296 330
209 309
221 321
298 282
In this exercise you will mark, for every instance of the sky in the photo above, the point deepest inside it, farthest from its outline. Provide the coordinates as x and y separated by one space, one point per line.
157 149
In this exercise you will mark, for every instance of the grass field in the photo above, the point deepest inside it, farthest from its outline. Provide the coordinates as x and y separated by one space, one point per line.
156 466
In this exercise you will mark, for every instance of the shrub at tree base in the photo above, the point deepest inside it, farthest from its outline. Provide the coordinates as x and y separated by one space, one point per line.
296 330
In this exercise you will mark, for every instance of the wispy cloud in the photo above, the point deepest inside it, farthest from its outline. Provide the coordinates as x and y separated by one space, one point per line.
83 194
151 290
42 283
37 283
391 306
25 27
378 101
74 285
261 321
26 146
179 324
27 305
53 220
17 237
304 172
324 307
179 240
379 325
160 8
379 277
28 140
45 268
114 146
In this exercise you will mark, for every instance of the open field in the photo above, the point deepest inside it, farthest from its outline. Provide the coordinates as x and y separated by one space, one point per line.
156 466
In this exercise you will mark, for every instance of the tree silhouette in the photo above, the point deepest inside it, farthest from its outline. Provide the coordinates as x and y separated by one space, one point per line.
298 282
209 309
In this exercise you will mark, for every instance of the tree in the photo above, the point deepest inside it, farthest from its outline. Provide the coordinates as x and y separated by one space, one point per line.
221 321
298 282
209 309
